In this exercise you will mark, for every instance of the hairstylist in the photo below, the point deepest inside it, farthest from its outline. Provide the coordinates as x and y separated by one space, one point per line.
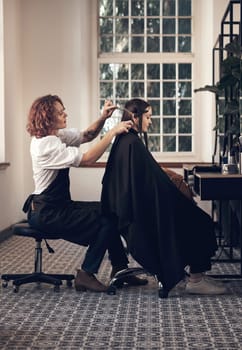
54 150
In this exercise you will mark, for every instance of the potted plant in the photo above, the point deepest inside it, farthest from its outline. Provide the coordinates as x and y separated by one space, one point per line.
227 100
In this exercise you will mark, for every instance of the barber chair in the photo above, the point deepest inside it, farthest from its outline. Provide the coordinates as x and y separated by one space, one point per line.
24 230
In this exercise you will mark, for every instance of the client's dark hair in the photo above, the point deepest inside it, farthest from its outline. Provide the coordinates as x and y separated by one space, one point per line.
138 107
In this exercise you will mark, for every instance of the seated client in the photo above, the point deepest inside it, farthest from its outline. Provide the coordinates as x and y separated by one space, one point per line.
165 230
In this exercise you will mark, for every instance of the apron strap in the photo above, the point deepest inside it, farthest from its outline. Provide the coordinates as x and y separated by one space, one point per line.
27 203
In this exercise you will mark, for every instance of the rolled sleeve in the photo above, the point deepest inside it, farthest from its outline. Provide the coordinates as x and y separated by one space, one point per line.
51 153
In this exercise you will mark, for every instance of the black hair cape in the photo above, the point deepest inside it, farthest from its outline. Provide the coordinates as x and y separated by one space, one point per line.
164 230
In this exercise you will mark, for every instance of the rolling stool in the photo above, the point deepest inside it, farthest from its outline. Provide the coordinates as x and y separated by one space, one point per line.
24 230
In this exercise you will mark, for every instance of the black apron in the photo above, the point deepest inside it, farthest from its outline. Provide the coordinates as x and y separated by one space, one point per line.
54 212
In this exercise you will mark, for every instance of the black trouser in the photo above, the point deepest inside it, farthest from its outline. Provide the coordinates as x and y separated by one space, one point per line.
106 238
201 266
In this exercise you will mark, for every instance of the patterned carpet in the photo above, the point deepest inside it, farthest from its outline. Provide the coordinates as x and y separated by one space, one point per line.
134 318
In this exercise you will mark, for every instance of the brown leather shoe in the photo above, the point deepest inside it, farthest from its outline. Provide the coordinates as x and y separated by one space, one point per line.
87 281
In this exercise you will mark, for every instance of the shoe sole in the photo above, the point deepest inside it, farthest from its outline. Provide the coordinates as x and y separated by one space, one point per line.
85 289
201 293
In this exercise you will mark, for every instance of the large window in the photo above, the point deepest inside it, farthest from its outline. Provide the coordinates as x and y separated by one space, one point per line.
145 25
145 51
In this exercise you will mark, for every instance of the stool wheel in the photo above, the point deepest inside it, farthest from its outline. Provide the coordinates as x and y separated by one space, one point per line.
15 289
69 284
56 288
163 293
5 284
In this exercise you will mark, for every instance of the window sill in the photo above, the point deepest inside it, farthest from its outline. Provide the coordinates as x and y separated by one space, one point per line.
4 166
163 164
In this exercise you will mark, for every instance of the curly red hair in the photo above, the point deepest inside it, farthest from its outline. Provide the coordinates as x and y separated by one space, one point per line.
42 115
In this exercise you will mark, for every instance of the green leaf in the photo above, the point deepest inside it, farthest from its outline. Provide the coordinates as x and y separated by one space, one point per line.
231 107
234 47
212 88
226 81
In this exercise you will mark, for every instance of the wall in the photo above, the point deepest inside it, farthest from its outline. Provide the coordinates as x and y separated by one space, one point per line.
207 30
12 179
56 53
50 48
47 50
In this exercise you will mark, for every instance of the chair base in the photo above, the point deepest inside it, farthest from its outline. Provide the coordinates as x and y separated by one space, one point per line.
38 277
116 281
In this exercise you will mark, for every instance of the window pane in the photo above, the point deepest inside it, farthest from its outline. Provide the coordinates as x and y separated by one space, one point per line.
155 104
169 125
153 26
117 114
169 89
153 89
137 44
122 26
122 44
169 144
106 44
155 126
221 125
153 7
184 26
153 44
169 8
105 7
169 71
122 8
106 90
221 105
137 26
154 143
120 103
137 71
137 8
169 26
184 44
184 8
122 71
185 107
185 144
106 26
169 107
153 71
185 71
184 125
185 89
137 89
169 44
122 89
110 123
106 72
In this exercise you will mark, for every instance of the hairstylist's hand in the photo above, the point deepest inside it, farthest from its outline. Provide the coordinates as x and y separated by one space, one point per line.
108 109
122 127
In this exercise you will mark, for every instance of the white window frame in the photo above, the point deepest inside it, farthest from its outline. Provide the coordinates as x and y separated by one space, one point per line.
2 124
156 58
203 106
